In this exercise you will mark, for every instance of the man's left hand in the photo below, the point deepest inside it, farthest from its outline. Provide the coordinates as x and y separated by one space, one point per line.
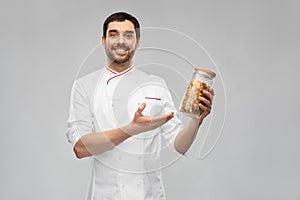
206 103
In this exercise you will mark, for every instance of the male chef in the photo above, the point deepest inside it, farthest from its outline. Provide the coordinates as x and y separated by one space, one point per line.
123 119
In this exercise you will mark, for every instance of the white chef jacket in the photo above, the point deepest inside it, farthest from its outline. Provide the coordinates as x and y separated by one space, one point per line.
105 100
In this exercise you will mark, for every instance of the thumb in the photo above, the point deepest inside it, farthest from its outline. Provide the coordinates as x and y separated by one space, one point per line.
141 107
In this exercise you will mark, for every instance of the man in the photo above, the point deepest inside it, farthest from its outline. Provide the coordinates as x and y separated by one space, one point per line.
120 115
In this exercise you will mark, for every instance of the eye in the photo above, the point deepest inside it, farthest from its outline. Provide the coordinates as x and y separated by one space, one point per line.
113 35
129 35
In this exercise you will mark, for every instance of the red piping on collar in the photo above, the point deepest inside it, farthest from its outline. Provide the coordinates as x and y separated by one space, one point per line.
124 72
111 70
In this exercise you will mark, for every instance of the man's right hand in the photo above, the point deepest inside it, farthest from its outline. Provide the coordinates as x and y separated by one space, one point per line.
142 123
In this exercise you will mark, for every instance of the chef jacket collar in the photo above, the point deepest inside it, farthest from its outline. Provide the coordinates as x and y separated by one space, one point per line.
116 74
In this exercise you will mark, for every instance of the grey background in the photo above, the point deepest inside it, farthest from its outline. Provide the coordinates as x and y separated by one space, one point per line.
255 45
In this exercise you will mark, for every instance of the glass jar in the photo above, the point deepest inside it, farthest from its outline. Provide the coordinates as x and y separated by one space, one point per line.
202 80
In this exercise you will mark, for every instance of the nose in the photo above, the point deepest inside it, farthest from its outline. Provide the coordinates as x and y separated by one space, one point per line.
121 39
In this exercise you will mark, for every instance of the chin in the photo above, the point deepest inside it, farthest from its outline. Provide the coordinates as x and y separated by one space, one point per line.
120 62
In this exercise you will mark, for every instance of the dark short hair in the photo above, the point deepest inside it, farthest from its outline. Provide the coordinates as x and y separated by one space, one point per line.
120 17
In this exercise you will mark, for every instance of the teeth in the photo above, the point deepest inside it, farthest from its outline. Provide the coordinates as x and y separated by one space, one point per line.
120 50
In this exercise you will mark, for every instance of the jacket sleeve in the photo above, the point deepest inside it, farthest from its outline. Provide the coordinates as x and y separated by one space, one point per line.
79 122
175 125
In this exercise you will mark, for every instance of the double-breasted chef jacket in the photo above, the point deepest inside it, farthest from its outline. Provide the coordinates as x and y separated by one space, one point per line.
105 100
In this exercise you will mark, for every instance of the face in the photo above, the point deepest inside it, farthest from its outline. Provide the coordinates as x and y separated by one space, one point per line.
120 42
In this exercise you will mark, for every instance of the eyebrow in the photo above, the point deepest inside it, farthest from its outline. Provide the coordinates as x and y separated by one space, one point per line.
132 32
112 31
115 31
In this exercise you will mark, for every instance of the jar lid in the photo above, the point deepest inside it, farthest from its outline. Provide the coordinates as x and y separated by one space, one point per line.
209 72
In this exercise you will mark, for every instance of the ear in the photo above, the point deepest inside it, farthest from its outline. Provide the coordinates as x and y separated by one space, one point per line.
137 45
103 40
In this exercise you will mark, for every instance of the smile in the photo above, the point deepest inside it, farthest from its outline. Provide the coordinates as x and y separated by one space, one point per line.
121 51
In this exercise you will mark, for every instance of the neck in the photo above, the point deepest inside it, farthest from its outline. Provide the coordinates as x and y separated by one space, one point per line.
119 67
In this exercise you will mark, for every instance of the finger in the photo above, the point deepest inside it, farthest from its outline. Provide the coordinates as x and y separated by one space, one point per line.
208 94
212 92
162 118
205 108
205 101
169 116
